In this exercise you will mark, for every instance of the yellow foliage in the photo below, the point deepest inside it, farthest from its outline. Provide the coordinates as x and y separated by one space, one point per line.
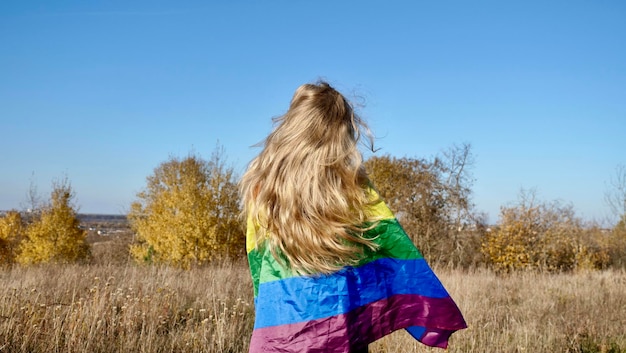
54 236
508 247
11 231
587 258
545 237
188 214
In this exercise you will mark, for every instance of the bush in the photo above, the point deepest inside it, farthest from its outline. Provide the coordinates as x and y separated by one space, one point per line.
542 236
11 232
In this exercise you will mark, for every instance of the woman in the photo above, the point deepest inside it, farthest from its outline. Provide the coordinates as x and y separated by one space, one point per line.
332 268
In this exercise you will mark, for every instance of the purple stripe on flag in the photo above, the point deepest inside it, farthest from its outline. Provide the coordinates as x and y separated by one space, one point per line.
342 333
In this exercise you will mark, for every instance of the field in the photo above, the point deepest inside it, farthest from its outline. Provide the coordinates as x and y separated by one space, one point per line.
129 308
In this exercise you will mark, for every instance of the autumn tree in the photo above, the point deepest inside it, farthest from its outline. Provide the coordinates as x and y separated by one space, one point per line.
432 200
412 189
188 213
54 234
11 232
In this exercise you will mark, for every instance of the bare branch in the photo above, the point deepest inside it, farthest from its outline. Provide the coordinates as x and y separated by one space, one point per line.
615 196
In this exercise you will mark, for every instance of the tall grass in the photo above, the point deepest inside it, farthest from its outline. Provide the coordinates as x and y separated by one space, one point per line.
531 312
126 308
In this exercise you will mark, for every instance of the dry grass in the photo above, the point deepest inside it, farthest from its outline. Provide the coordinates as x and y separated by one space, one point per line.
530 312
120 308
125 309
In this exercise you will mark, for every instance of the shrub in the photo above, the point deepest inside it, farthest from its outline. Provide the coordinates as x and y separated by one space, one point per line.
11 231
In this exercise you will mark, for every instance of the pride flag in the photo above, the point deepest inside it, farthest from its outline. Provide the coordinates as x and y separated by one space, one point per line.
392 288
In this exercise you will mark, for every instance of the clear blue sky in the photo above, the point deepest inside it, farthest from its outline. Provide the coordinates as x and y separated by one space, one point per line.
104 91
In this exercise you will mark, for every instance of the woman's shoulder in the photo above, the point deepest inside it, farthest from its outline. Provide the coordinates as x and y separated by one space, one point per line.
377 208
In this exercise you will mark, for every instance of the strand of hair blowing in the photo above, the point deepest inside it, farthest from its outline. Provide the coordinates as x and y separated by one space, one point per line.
306 189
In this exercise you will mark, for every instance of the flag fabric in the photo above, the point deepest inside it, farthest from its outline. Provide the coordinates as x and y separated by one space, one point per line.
392 288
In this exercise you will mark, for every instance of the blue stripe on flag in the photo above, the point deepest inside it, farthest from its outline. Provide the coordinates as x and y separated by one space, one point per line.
305 298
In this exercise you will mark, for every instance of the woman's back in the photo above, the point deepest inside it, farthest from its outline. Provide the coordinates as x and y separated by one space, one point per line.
332 268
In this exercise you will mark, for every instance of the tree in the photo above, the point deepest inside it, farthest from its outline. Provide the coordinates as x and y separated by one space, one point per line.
11 232
455 164
33 198
54 234
617 244
188 213
431 200
413 191
615 197
465 225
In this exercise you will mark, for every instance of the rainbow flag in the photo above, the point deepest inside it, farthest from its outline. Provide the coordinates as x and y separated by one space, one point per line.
390 289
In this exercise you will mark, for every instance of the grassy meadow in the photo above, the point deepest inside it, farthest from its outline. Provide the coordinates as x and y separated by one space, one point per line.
129 308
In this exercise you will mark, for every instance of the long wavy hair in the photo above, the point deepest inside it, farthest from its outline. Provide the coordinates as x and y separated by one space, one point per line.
306 191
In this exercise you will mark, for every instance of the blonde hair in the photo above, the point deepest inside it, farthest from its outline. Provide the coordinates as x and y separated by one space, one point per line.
307 189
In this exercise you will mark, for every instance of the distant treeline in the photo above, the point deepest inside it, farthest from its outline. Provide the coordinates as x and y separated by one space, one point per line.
189 212
94 217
